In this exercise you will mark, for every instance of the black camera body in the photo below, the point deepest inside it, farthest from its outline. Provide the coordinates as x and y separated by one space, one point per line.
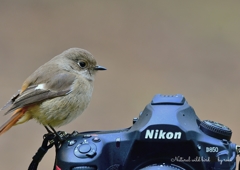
167 135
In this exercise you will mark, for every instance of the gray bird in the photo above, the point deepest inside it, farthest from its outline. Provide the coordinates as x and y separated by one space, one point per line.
57 92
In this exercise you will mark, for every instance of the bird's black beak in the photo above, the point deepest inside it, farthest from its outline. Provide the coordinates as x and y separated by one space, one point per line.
97 67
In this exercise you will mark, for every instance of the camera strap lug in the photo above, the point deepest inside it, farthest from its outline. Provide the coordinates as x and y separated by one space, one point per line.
238 153
49 140
238 149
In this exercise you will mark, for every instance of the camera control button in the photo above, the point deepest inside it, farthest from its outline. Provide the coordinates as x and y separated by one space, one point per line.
87 136
85 148
84 168
78 154
71 142
92 153
96 139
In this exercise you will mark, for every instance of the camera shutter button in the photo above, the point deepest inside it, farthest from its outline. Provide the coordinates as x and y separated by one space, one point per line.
84 148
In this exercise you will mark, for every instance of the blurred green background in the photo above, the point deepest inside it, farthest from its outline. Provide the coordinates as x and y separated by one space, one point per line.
149 47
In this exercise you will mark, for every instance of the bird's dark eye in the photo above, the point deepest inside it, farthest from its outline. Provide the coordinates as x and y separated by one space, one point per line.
82 64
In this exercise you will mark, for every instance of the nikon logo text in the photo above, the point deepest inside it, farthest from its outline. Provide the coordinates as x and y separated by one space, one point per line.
160 134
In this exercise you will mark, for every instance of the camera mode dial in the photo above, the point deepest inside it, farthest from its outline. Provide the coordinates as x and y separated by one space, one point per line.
216 130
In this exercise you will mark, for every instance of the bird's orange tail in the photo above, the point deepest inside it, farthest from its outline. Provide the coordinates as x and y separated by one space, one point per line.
12 121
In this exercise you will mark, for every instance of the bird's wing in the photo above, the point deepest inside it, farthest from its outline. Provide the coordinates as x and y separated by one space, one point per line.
10 102
58 85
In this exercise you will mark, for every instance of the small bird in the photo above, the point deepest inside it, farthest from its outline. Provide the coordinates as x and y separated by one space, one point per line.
56 93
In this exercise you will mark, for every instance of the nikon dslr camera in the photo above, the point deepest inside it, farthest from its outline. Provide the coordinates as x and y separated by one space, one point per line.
168 135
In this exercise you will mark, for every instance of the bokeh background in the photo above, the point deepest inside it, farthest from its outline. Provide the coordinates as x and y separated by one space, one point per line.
149 47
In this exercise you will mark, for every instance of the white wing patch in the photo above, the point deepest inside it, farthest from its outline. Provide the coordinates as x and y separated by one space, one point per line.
40 86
